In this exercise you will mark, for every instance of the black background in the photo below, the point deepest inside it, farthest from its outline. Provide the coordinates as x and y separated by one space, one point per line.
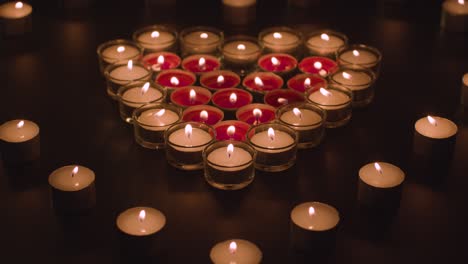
52 77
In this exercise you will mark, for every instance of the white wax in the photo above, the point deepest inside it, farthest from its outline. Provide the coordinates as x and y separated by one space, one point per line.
9 11
194 41
162 41
444 128
358 80
391 175
130 223
325 217
307 119
365 58
280 143
153 122
320 45
122 74
287 41
455 8
238 160
10 132
335 100
111 55
198 138
232 52
135 98
63 178
245 253
239 3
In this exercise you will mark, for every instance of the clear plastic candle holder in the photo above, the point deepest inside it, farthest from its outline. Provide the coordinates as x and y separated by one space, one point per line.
360 81
151 121
116 51
325 43
229 165
240 54
307 119
360 56
185 143
282 40
276 146
122 73
200 40
156 38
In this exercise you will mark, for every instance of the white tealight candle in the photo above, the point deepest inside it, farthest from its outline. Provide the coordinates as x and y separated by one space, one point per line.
230 158
190 139
325 43
200 40
436 127
16 17
329 99
119 52
241 52
301 118
73 188
128 72
136 97
155 39
359 57
273 141
141 221
237 251
158 119
280 41
20 141
455 15
359 81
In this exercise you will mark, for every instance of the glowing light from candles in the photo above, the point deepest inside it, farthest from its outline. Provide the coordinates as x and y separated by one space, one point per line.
188 131
356 53
432 120
275 61
346 75
220 79
192 95
19 5
325 92
231 130
307 82
20 124
201 62
120 49
74 171
203 35
204 115
233 247
318 65
233 98
230 150
258 81
277 35
142 216
174 81
160 113
155 34
282 100
130 65
461 2
160 60
241 47
145 88
297 112
325 37
311 211
271 134
377 167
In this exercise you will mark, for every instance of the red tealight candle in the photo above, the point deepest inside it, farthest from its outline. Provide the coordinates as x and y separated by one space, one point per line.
231 98
190 96
305 81
318 65
282 97
255 114
206 114
200 63
216 80
159 61
231 129
262 82
175 78
277 62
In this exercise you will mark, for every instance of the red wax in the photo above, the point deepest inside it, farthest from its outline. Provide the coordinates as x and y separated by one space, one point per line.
286 62
296 83
222 98
210 80
185 78
239 134
191 63
181 97
270 81
281 97
193 114
307 65
246 114
171 61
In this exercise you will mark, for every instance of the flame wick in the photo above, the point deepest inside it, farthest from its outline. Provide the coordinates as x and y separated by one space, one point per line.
74 171
307 82
142 216
145 88
188 131
277 35
232 247
155 34
174 81
160 113
20 124
204 115
432 120
192 95
378 168
220 79
233 98
461 2
311 211
203 35
325 37
297 112
230 150
271 134
202 63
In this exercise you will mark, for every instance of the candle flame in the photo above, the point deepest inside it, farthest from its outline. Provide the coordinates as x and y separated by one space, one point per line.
192 95
311 211
356 53
318 65
241 47
18 5
203 35
297 112
160 113
233 98
204 115
307 82
130 65
155 34
346 75
325 37
275 61
188 131
201 62
325 92
257 113
233 247
271 134
258 81
461 2
432 120
145 88
231 130
220 79
377 167
160 60
230 150
120 49
282 100
174 81
142 215
74 171
20 124
277 35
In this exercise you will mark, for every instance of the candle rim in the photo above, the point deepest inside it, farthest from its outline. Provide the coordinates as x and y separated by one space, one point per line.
265 126
116 42
375 51
304 105
370 73
423 119
224 143
199 108
260 75
118 64
271 30
69 168
156 106
137 85
278 55
383 163
221 92
328 32
340 89
205 75
195 125
312 203
152 28
213 30
149 211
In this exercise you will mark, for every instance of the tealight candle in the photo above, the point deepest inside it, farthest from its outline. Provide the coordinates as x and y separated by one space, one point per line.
229 165
259 83
279 63
276 146
174 79
136 94
359 80
231 99
281 39
240 53
434 138
139 229
454 16
200 40
380 186
156 38
16 17
359 55
336 101
119 50
151 121
231 130
314 226
20 141
122 73
190 96
277 98
318 65
255 114
239 3
206 114
185 143
217 80
305 81
325 43
236 251
200 63
307 120
159 61
73 189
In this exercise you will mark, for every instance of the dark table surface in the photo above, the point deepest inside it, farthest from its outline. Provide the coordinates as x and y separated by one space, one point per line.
52 77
